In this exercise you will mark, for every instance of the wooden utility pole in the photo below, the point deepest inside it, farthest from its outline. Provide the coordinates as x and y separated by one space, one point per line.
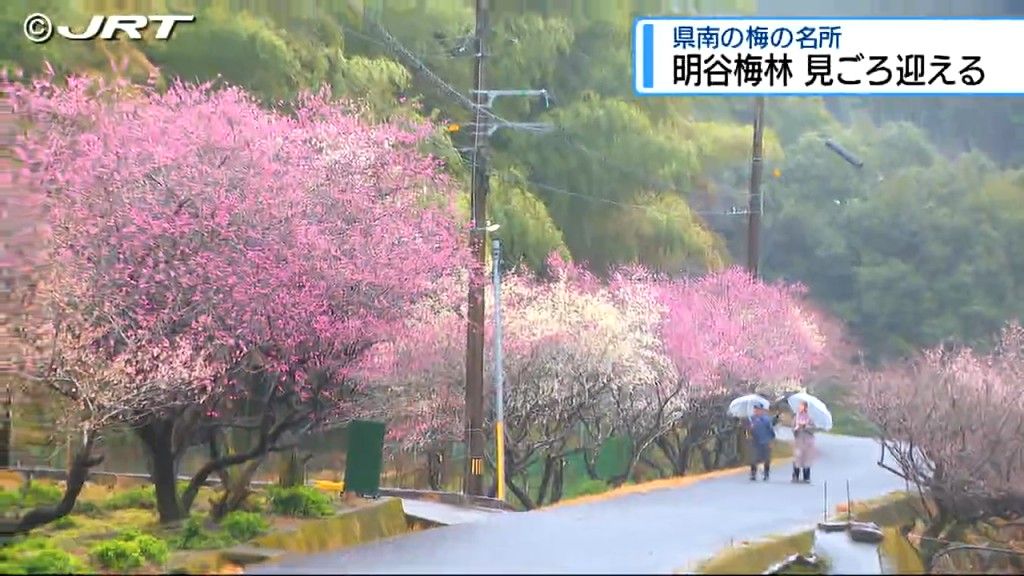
756 168
475 440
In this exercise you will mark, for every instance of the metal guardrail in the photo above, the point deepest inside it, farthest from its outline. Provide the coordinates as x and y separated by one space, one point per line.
431 495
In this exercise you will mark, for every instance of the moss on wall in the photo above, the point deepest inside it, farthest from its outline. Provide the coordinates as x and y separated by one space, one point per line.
756 557
889 511
366 524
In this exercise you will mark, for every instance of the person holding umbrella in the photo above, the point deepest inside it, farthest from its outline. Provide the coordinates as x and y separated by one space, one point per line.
762 433
811 415
803 443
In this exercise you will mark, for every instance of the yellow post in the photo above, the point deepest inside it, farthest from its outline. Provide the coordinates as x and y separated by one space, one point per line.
499 433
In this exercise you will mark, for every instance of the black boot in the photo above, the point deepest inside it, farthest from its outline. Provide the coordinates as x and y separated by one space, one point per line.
807 475
753 473
796 474
767 466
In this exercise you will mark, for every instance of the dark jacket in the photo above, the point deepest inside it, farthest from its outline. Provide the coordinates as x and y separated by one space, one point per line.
761 429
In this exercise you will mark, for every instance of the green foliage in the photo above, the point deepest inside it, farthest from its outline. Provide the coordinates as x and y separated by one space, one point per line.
9 500
87 508
595 191
240 48
64 523
302 501
243 526
528 233
37 555
143 497
909 251
586 487
194 537
129 550
30 496
41 494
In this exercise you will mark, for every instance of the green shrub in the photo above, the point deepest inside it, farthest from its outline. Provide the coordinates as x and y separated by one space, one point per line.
87 508
152 548
131 549
118 555
304 501
142 497
41 494
35 494
586 487
64 522
50 561
243 526
9 500
37 555
194 537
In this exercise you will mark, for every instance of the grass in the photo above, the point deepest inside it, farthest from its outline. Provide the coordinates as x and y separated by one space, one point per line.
117 529
888 511
780 451
579 486
756 557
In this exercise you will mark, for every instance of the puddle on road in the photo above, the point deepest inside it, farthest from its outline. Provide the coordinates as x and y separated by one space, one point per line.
895 555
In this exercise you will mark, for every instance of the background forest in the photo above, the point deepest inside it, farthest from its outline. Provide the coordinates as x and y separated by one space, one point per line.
922 245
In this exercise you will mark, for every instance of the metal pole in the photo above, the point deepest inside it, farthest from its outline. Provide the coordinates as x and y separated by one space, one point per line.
473 484
499 376
826 502
6 426
849 503
756 168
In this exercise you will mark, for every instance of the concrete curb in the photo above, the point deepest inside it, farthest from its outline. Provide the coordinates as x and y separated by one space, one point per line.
448 498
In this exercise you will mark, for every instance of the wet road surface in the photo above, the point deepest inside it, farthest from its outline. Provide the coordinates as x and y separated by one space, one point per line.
655 532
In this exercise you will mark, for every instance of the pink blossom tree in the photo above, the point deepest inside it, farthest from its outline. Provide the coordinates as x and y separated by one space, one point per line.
216 265
418 384
951 423
569 348
727 334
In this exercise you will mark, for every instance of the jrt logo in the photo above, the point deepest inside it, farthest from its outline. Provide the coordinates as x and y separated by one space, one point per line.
39 28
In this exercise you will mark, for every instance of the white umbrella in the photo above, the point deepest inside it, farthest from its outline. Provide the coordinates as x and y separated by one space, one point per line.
820 414
743 407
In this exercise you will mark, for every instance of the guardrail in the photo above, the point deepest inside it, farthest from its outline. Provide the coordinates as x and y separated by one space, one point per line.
31 472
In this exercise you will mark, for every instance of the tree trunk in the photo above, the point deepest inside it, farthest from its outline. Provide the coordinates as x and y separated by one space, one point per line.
236 489
77 474
292 471
521 495
157 436
590 463
434 460
558 485
549 468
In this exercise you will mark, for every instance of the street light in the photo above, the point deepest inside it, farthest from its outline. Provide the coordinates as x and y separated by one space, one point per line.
499 379
488 228
844 153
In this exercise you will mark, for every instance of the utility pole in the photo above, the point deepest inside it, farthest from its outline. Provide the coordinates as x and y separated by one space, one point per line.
756 168
473 481
485 124
6 426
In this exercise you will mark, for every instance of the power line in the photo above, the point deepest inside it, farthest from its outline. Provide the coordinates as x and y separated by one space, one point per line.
416 61
587 197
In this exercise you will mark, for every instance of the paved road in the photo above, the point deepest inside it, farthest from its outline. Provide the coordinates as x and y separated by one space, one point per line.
655 532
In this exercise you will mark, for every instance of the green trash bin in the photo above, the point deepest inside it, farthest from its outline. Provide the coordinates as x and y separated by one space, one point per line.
365 458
